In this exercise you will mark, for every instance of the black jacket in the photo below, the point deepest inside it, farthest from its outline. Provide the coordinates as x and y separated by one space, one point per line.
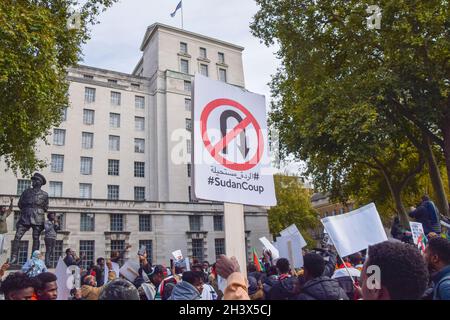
322 288
286 289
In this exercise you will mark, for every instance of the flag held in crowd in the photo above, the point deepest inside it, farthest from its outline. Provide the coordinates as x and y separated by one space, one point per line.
259 266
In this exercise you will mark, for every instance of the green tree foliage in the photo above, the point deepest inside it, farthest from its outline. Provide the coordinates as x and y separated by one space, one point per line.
37 45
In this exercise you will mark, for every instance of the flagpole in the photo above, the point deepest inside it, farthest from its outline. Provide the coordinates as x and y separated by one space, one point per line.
182 22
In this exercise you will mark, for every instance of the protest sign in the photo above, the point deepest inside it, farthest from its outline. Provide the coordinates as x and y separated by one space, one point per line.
178 255
130 270
290 248
63 280
419 237
269 246
293 230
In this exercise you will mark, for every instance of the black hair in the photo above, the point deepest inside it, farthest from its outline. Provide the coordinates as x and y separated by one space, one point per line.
283 265
16 281
73 291
314 264
251 268
68 250
49 214
119 289
403 270
206 262
272 271
197 266
192 277
100 259
441 248
43 278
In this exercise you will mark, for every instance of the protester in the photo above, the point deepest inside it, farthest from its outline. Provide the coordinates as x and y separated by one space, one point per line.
71 258
4 214
35 265
229 269
149 289
46 287
402 272
119 257
89 289
18 286
255 289
3 269
75 294
190 288
287 287
119 289
437 257
98 271
51 228
208 292
428 215
270 280
349 276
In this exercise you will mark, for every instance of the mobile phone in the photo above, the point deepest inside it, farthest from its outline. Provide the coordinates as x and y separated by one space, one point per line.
171 264
142 250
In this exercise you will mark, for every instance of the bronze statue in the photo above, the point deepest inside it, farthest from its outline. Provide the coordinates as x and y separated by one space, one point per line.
33 204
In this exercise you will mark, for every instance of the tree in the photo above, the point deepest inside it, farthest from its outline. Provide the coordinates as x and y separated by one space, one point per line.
293 207
38 42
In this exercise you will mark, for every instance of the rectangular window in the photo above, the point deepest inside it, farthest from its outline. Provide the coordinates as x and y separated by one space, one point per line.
190 193
58 252
113 192
55 189
187 86
22 185
218 223
139 102
89 95
59 137
139 123
139 169
183 47
204 70
203 53
85 190
57 164
188 124
145 223
88 76
118 246
195 223
64 114
223 75
139 193
188 146
187 104
112 81
87 140
219 245
116 222
88 116
149 247
87 222
184 66
114 143
87 249
22 255
139 145
115 98
61 217
135 85
113 167
86 165
221 57
114 120
197 249
189 170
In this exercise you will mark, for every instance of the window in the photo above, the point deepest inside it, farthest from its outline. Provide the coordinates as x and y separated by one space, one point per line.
116 222
89 95
115 98
139 123
145 223
55 189
87 140
189 169
183 47
22 255
114 143
88 116
113 192
139 145
88 76
117 245
184 66
139 169
188 146
221 57
112 81
59 137
135 85
204 69
113 167
197 249
149 247
114 120
86 165
85 190
188 124
203 53
57 163
187 86
187 104
139 193
139 102
219 245
64 114
218 223
62 220
223 75
87 248
195 223
22 185
190 194
16 218
58 252
87 222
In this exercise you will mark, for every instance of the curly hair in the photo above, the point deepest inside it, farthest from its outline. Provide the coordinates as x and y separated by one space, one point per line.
403 270
16 281
440 247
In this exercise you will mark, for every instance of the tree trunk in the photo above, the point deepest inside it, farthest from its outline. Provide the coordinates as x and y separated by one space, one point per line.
446 136
435 176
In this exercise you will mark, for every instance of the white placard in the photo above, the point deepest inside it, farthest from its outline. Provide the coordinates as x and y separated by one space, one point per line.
130 270
416 230
293 230
178 255
269 246
62 280
230 159
290 248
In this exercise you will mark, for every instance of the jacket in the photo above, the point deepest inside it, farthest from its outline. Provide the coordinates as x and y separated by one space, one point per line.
92 293
427 214
236 287
285 289
322 288
51 229
185 291
441 279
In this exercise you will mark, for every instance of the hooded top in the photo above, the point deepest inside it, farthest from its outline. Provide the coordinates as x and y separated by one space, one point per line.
285 289
185 291
322 288
34 266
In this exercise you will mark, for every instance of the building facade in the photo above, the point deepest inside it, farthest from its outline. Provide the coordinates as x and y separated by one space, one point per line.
119 168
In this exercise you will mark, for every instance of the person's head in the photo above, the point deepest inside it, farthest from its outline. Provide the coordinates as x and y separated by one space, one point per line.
119 289
283 265
197 267
89 280
51 216
2 209
313 266
75 293
18 286
157 275
401 271
101 262
355 259
195 278
70 252
115 254
36 255
273 271
46 286
206 266
425 198
437 254
251 267
38 180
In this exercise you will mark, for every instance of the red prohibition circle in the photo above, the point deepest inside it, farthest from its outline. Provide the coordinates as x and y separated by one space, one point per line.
251 119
